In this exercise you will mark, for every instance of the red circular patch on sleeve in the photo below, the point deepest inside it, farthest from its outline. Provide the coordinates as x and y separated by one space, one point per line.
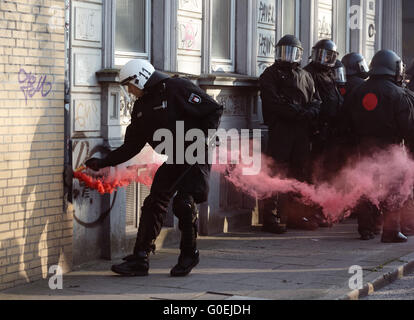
370 102
343 91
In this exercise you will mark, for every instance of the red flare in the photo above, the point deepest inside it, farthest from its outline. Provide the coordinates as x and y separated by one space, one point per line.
121 178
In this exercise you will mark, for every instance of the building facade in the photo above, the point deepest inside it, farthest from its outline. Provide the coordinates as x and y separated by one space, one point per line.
76 109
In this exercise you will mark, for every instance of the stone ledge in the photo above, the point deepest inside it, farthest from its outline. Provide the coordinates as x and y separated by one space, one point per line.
204 80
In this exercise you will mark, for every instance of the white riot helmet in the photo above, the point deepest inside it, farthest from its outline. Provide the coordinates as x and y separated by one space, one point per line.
141 74
137 72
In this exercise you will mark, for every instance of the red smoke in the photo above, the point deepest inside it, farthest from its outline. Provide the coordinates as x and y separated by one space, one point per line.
109 182
386 177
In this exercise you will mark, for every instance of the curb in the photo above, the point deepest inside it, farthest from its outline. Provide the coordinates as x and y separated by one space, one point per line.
383 280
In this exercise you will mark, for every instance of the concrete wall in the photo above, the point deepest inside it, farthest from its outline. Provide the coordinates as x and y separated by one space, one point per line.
35 231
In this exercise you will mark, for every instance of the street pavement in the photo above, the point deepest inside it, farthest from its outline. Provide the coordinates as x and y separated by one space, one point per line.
243 265
402 289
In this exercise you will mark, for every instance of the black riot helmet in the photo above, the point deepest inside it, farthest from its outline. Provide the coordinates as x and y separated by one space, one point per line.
289 49
325 53
340 73
388 63
355 65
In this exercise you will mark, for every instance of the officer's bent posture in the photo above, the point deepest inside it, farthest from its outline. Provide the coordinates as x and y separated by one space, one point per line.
162 101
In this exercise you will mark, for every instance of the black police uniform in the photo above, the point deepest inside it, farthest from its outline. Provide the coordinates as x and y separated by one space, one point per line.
381 115
353 82
326 142
165 103
368 215
326 139
290 108
356 70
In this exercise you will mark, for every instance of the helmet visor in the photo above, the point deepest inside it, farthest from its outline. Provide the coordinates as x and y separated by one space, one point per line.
127 80
340 76
324 57
289 54
363 66
400 74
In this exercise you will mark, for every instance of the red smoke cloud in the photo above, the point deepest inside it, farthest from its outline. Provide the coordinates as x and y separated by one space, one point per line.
385 177
109 181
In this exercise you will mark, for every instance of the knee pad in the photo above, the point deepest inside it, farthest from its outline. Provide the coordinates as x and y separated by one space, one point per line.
184 206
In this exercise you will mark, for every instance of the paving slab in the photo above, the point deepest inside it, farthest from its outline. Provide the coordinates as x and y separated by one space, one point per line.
248 264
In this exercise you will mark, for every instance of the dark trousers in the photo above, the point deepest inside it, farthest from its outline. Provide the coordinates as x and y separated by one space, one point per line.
291 155
369 217
189 184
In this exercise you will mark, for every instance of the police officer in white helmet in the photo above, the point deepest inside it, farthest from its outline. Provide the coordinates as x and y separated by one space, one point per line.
162 101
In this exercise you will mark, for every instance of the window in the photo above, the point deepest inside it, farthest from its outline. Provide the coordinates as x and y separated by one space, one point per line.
289 9
342 34
222 35
132 30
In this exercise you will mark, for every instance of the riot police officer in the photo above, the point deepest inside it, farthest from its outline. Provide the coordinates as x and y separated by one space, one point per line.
290 108
162 102
323 59
381 115
368 215
340 77
325 148
356 70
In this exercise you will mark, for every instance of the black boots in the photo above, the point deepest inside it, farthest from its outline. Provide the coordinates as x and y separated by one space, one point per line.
274 227
393 237
136 265
273 221
185 210
367 235
186 262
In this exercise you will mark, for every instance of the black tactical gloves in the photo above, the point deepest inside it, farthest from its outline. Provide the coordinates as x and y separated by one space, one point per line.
95 164
311 112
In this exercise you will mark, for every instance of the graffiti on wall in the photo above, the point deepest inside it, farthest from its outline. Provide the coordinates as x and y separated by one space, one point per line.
190 35
267 12
30 84
87 24
191 5
325 13
325 28
266 44
87 115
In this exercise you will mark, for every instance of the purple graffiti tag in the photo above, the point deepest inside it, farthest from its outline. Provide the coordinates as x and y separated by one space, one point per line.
29 86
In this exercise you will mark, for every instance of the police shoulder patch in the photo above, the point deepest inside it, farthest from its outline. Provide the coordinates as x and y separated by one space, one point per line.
370 102
194 99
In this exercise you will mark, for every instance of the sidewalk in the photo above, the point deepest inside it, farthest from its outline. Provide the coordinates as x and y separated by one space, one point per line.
299 265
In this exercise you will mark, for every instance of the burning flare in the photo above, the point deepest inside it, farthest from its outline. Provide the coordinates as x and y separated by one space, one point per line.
106 181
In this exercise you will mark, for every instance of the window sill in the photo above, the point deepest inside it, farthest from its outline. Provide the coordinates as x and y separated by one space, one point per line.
214 79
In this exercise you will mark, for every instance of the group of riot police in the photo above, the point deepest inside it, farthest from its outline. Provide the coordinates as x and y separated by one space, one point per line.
323 114
307 112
